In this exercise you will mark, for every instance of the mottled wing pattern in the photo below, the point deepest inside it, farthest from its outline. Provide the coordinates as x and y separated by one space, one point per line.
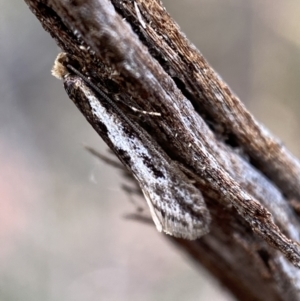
177 207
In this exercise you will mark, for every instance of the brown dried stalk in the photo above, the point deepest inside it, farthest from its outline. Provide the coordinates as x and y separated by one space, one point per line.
156 69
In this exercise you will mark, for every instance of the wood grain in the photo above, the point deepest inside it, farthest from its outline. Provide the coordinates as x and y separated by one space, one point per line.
143 60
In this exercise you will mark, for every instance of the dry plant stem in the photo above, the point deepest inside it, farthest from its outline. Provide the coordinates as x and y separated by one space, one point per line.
132 59
184 62
239 197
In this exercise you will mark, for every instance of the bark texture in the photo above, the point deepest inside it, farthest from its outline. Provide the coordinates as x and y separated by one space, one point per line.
250 181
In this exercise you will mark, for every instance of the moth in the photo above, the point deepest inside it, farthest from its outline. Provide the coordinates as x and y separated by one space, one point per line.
177 207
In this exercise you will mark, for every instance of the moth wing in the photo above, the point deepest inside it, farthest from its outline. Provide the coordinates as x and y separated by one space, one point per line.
189 220
156 215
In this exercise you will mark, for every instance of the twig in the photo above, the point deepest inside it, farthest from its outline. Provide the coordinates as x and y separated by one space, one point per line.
241 200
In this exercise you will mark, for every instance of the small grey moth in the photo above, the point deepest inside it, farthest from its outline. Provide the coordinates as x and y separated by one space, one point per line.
176 206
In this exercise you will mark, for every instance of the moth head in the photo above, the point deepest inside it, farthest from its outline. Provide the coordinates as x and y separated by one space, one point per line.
59 70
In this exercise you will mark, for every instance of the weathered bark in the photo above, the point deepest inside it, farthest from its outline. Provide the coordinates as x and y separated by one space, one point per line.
252 241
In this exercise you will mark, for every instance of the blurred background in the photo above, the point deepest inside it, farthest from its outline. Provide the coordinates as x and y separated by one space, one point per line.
63 235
